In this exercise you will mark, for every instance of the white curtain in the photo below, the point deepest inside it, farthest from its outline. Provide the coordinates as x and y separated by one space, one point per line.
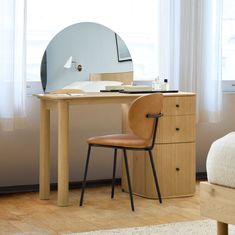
190 51
12 63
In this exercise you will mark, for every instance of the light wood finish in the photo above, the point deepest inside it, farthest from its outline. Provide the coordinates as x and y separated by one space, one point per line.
222 228
218 202
174 152
102 96
139 124
66 91
62 102
176 129
175 164
44 161
63 143
125 77
180 105
25 213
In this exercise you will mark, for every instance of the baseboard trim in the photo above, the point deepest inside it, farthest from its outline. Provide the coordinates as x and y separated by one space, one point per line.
201 176
53 186
73 185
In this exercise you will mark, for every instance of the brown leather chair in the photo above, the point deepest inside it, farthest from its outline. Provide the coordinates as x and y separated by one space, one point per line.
143 119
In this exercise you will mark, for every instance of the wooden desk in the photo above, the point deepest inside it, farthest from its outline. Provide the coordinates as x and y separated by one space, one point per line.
61 102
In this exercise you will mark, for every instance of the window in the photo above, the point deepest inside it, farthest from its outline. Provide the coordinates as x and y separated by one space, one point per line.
135 22
228 45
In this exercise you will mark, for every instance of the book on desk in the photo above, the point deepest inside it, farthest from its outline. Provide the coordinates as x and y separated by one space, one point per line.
135 89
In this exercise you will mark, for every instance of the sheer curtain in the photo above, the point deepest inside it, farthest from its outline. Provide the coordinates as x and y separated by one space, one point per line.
12 63
190 52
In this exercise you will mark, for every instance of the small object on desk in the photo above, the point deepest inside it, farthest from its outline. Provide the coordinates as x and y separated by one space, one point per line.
156 84
113 88
110 90
75 94
165 85
127 88
157 91
66 94
137 88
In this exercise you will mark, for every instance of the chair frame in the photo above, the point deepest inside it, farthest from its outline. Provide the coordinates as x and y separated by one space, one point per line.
149 149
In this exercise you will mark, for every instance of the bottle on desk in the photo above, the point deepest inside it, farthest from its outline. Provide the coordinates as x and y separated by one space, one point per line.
156 84
165 85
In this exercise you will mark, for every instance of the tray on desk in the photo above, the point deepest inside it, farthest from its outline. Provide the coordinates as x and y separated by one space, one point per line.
139 92
110 90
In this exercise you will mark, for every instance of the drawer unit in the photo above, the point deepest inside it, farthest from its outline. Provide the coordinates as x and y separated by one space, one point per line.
174 152
176 129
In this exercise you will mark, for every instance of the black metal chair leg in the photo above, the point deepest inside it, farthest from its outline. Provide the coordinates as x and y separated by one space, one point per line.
128 180
85 175
114 172
155 176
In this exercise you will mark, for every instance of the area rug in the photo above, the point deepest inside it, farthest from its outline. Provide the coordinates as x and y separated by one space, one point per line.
198 227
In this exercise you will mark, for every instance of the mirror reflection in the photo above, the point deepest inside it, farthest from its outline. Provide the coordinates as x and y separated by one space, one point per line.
82 52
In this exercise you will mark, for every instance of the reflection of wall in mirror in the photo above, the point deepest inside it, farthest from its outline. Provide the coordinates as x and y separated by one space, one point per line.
90 44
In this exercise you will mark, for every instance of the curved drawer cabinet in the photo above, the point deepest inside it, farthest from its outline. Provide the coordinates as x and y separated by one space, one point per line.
174 152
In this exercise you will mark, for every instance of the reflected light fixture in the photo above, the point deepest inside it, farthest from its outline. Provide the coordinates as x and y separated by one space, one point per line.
70 63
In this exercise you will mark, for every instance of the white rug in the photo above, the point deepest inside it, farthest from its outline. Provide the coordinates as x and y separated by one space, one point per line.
198 227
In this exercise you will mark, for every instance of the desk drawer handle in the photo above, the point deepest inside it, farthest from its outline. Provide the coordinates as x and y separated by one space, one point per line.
177 105
177 169
177 128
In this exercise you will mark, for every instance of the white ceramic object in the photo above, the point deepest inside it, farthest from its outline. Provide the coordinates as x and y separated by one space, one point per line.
92 86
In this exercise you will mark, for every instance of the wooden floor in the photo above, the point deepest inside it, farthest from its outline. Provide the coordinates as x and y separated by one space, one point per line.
24 212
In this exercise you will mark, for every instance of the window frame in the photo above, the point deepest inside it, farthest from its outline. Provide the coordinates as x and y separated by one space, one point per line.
226 85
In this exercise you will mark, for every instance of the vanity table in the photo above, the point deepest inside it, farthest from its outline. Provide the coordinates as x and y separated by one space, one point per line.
178 109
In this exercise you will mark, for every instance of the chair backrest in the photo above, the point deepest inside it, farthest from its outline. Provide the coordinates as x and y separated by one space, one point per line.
138 122
125 77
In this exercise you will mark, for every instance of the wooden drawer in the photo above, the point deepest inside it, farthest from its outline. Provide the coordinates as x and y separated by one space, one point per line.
176 129
175 164
184 105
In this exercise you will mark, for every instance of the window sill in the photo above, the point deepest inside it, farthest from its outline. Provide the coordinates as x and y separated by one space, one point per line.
33 87
228 86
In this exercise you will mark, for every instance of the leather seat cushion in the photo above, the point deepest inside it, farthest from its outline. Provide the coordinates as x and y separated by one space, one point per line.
121 140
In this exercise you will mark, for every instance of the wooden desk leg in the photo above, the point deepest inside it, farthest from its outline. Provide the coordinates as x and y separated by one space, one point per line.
44 161
63 166
222 228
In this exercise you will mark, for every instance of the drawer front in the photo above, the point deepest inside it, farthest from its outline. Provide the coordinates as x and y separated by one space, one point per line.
176 129
175 164
178 105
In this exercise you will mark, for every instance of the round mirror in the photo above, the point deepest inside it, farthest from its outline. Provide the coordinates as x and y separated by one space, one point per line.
80 51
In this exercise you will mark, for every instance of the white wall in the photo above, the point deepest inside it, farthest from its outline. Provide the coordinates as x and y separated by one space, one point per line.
20 149
207 133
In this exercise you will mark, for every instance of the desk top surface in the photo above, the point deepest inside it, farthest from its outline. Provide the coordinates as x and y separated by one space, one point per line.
89 95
